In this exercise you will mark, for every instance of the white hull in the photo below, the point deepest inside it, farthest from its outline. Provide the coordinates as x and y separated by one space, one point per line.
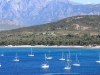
31 55
2 54
76 64
62 59
68 60
48 58
16 60
67 68
0 65
98 61
44 66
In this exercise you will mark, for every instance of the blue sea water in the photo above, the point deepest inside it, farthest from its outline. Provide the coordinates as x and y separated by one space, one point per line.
32 65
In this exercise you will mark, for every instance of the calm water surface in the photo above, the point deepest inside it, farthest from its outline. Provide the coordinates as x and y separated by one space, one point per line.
32 65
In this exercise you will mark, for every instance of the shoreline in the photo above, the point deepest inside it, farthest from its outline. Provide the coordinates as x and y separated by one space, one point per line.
43 46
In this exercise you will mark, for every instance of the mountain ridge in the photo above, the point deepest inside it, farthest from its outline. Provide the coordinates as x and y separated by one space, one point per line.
35 12
75 23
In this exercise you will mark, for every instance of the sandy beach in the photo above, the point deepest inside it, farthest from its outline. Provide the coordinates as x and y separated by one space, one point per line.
55 46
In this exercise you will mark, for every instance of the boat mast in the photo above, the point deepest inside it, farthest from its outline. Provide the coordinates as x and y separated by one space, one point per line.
45 57
31 50
16 55
99 56
76 59
49 53
69 55
62 54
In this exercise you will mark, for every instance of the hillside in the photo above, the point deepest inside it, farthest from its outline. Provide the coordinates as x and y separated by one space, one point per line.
76 28
77 24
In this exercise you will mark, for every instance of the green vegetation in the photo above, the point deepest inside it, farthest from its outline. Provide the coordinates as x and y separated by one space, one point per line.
77 30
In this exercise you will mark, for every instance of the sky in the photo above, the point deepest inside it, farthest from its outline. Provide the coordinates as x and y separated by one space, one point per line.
87 1
8 0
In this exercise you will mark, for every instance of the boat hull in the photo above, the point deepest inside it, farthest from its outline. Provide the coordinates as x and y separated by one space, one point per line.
98 61
16 60
2 54
0 65
44 66
76 64
67 68
31 55
68 60
48 58
62 59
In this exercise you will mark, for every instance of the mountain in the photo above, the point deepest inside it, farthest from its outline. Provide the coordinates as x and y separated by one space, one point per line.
35 12
8 25
74 30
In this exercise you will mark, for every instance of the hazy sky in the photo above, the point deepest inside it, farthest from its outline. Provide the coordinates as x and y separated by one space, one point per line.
87 1
8 0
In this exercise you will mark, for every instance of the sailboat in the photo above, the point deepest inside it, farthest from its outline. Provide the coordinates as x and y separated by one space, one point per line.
31 53
68 57
16 58
68 67
62 58
2 54
49 57
45 65
0 64
98 61
77 62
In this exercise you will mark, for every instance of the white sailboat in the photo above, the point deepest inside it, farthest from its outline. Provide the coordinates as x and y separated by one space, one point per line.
31 54
49 57
62 58
45 65
68 57
98 61
68 67
16 59
0 64
2 54
77 62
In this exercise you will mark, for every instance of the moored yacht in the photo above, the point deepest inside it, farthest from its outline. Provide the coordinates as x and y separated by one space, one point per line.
0 64
62 58
77 62
98 61
31 54
45 65
68 66
2 54
68 57
16 59
49 57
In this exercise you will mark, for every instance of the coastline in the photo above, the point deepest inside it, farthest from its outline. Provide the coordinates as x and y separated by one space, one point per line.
55 46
